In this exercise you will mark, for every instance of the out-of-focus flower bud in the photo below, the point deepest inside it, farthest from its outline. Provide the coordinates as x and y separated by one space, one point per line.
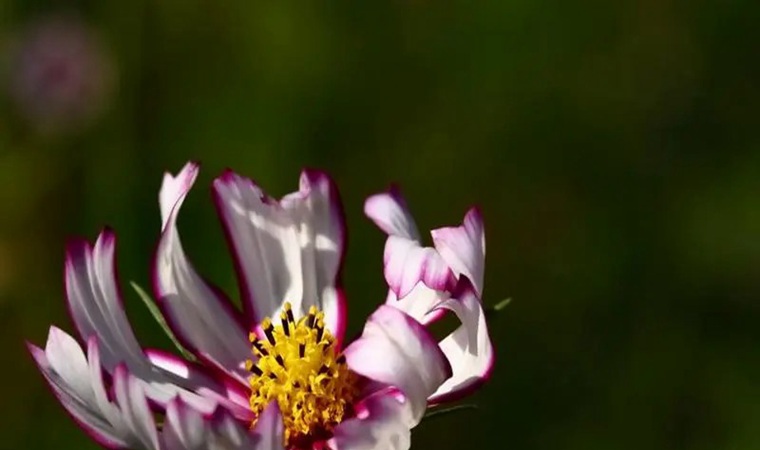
59 74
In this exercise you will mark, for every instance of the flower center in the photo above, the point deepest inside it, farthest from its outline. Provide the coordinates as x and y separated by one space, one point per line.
298 367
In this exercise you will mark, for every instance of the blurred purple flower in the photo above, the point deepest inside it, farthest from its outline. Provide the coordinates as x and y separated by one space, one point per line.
59 73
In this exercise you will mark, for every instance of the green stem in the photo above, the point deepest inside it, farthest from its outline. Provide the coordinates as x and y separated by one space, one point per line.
151 305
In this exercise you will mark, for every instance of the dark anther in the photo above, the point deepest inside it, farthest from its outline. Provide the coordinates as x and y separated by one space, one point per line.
322 369
320 332
285 326
279 360
272 375
311 320
260 347
341 359
270 335
289 312
255 369
301 350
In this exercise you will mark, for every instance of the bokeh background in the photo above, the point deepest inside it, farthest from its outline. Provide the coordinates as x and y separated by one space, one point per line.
614 148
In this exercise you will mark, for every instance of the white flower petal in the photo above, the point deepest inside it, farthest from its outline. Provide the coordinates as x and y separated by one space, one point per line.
71 395
269 432
382 425
396 350
95 301
109 410
201 319
468 349
78 385
407 264
67 360
285 251
389 212
420 303
207 393
96 307
317 215
186 429
130 396
174 188
464 248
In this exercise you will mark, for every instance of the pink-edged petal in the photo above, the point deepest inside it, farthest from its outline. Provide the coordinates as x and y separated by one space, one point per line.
174 188
67 360
468 349
78 399
184 427
269 431
130 396
124 422
208 393
203 320
420 303
407 263
96 307
95 301
264 242
285 251
229 434
381 424
396 350
187 429
317 214
109 410
464 248
389 212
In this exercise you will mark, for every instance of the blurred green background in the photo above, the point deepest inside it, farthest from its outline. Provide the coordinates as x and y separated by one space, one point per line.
614 148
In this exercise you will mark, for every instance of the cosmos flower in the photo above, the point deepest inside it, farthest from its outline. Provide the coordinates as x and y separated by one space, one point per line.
60 74
277 374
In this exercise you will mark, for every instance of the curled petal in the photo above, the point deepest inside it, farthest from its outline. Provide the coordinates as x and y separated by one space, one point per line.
407 263
464 248
382 424
396 350
174 189
201 318
389 212
468 349
290 250
421 303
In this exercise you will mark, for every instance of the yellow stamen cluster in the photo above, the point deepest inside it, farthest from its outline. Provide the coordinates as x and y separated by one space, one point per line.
298 367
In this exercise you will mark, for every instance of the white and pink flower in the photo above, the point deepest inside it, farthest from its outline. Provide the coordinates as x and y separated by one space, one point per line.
277 374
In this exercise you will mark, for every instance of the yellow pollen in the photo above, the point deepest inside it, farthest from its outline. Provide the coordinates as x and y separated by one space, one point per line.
298 367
